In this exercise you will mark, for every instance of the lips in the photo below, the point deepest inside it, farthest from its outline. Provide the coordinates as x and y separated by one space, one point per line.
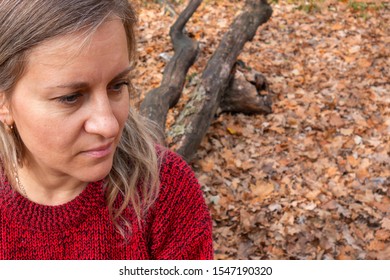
100 151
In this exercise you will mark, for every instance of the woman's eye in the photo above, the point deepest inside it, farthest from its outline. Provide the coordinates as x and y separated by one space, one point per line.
117 87
69 99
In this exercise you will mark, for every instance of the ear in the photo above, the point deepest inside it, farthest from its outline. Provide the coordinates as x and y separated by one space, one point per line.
5 112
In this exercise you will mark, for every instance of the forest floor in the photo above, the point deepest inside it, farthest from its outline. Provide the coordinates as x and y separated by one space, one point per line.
311 180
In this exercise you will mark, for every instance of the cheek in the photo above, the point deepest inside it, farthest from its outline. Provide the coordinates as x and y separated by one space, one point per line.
121 112
35 123
46 137
43 132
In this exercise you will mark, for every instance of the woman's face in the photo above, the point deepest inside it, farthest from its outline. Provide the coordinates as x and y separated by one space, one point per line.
71 104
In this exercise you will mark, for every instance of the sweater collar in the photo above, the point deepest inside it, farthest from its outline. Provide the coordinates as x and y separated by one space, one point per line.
19 210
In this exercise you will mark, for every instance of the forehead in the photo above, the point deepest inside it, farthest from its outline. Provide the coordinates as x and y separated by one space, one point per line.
102 52
107 39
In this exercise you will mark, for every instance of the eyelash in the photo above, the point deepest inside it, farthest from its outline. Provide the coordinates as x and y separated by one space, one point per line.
73 98
66 99
120 84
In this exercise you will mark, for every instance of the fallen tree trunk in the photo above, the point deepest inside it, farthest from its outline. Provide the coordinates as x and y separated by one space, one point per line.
244 95
158 101
196 117
219 87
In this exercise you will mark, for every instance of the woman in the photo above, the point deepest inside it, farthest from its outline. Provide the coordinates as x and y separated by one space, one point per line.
81 176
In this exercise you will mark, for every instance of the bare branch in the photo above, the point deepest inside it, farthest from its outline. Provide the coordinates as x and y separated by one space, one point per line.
158 101
197 115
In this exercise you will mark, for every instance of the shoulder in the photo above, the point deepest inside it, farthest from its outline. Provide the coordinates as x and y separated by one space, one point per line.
178 181
174 169
180 192
181 222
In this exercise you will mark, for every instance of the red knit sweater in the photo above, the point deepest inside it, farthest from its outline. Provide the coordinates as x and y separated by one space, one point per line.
177 227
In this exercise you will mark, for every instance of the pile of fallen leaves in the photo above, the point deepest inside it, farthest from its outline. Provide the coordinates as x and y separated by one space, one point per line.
312 179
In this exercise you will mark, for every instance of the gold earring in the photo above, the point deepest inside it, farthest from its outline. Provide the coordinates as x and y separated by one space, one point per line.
9 128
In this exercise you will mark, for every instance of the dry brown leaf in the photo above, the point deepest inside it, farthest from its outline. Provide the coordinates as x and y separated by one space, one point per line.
246 165
207 165
386 223
347 253
347 131
383 255
330 205
336 120
362 173
261 190
337 26
382 234
382 206
246 220
353 161
234 129
331 171
364 63
376 245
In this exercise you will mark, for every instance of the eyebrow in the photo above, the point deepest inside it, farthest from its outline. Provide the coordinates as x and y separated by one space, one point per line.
75 85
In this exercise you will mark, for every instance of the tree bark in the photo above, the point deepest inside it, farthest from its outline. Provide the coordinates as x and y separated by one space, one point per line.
243 96
196 117
158 101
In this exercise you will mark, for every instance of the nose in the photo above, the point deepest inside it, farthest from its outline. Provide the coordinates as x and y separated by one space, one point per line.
101 118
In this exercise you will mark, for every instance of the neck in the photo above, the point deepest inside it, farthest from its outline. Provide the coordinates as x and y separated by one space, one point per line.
49 189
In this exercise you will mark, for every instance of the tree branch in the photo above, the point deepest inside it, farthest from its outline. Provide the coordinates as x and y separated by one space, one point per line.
196 117
158 101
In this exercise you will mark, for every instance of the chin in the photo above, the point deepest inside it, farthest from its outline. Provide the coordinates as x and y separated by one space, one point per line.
96 173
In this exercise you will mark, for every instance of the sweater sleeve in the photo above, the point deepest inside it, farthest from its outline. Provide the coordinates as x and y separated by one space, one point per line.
181 224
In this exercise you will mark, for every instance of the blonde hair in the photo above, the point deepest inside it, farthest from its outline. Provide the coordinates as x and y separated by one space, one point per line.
25 24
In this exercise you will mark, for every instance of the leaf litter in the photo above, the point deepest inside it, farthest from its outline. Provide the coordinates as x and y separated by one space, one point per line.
312 179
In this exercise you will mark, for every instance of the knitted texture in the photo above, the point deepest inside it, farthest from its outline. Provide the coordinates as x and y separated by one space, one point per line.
177 227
